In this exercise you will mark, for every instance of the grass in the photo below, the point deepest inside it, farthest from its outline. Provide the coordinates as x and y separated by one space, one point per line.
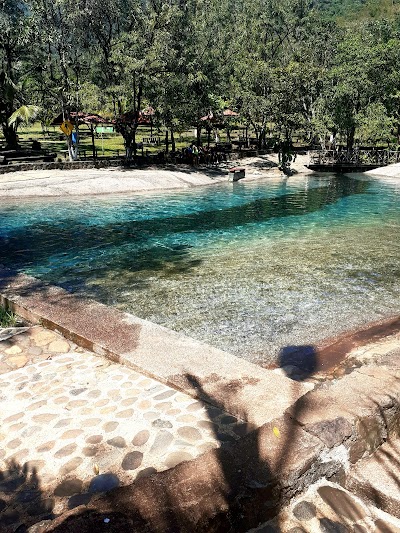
107 145
8 319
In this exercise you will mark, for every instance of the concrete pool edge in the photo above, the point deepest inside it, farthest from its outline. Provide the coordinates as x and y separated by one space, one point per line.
294 441
249 392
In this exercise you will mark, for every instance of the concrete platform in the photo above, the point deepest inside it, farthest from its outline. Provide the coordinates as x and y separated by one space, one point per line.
284 435
248 392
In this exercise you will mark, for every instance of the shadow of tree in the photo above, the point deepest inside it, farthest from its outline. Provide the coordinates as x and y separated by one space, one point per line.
228 489
22 501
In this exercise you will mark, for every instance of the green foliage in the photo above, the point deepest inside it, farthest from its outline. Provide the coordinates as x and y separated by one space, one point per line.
8 319
317 66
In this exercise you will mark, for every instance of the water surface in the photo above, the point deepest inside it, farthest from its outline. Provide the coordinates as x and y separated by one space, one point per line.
248 267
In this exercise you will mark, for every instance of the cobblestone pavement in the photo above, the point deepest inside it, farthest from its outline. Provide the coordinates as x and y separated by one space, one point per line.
75 424
328 508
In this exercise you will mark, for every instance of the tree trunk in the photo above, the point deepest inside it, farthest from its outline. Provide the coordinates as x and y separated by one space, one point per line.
198 135
173 147
10 136
93 146
350 137
166 142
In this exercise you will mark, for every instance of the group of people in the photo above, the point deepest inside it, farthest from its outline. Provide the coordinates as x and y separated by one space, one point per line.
200 155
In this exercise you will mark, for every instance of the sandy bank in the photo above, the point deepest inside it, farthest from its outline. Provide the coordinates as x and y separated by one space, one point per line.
390 171
81 182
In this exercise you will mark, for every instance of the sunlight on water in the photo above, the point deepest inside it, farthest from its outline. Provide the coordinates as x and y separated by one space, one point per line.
248 267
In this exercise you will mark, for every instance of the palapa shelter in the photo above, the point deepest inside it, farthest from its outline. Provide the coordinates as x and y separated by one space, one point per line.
218 120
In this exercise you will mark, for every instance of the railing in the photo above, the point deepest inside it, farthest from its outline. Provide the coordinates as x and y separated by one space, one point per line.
357 156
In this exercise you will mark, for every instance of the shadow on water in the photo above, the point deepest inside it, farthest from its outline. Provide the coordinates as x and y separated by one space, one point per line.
130 245
299 362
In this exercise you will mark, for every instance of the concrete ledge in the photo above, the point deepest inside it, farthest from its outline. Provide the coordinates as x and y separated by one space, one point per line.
63 165
251 393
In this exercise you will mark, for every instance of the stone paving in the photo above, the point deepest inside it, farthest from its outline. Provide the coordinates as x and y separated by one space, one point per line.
328 508
75 424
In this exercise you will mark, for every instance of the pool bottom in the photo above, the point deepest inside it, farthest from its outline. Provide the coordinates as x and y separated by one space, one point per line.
262 296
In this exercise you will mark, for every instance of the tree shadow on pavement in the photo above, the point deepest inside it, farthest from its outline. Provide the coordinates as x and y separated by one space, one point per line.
22 501
231 488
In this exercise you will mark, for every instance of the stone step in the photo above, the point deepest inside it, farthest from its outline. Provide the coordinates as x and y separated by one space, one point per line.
376 479
327 507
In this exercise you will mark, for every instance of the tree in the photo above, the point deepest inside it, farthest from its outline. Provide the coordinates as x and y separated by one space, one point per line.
16 32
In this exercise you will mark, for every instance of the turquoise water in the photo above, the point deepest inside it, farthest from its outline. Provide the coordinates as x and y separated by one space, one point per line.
248 267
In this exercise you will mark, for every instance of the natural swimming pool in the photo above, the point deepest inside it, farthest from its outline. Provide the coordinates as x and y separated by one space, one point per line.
248 267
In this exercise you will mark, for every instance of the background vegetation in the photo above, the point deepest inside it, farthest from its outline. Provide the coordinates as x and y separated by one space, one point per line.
318 68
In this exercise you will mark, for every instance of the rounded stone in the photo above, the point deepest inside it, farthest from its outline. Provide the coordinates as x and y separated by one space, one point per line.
358 528
75 403
34 465
141 438
68 487
118 442
196 406
146 472
13 444
79 499
66 450
144 404
128 401
94 439
94 394
90 451
90 422
189 433
71 433
13 350
132 460
77 392
107 410
46 447
162 442
16 427
13 418
30 430
71 465
110 426
101 403
304 511
125 414
36 405
62 423
44 418
175 458
60 399
164 395
329 526
58 346
161 423
187 419
103 483
228 420
150 415
342 503
127 385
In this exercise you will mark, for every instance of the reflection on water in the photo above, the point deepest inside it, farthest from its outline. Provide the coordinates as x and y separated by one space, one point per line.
248 267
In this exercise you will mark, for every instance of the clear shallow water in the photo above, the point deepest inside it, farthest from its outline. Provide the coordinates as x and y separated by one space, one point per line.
248 267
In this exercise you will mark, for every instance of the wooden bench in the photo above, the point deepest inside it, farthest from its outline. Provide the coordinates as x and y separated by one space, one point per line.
236 173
